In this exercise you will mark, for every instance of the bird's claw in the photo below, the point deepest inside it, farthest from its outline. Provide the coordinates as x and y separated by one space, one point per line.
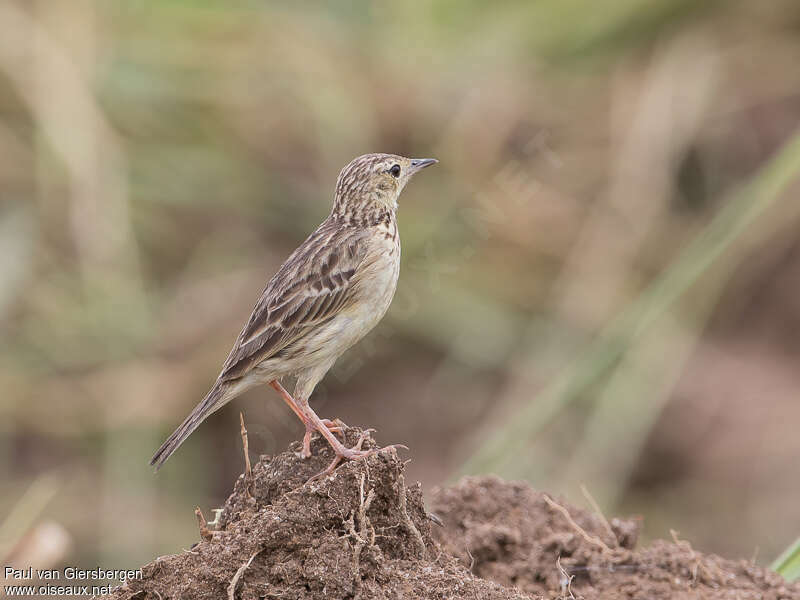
336 426
354 453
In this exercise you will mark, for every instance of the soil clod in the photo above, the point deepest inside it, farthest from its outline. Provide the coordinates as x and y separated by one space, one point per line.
362 532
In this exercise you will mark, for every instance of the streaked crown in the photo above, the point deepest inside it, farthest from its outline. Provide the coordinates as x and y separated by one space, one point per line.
371 184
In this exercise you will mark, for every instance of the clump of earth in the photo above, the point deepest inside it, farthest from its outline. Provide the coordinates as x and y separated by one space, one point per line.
365 532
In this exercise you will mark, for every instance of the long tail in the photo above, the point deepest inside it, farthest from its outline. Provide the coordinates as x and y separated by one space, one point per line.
209 404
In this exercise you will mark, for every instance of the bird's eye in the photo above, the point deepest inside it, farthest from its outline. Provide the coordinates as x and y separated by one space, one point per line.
395 171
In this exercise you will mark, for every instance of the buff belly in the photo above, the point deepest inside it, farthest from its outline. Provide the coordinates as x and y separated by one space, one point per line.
372 296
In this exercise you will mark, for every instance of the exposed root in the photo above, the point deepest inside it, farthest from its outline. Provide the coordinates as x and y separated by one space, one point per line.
239 572
412 529
566 582
364 535
594 540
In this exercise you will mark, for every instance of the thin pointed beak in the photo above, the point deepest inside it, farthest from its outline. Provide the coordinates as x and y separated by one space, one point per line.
417 164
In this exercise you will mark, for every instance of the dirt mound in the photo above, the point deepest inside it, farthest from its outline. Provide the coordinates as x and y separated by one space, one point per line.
521 538
363 532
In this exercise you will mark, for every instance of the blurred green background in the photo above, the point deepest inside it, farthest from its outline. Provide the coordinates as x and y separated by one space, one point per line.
600 281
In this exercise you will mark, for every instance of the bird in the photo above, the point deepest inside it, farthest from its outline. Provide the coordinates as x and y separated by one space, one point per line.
330 292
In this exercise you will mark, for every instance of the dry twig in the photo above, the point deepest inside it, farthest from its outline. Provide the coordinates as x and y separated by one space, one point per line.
205 532
247 470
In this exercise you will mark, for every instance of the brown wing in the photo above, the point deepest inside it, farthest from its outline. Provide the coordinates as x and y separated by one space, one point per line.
309 289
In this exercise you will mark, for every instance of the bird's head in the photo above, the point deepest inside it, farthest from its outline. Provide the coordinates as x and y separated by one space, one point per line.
371 183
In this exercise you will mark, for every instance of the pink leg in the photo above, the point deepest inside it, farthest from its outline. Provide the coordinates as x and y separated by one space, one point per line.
335 426
339 449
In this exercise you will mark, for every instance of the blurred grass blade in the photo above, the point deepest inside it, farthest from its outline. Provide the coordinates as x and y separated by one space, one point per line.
507 445
788 563
27 509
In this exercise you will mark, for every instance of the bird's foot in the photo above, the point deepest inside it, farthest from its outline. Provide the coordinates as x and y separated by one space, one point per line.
354 453
336 426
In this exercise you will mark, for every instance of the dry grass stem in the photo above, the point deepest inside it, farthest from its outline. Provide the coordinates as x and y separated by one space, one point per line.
596 508
586 536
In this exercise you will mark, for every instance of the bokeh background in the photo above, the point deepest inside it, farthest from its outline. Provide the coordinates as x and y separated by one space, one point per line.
600 282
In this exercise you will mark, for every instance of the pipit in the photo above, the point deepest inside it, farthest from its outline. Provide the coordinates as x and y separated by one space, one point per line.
328 294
